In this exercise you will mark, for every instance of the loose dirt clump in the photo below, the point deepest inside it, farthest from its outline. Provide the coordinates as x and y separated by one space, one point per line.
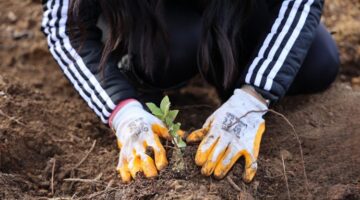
52 145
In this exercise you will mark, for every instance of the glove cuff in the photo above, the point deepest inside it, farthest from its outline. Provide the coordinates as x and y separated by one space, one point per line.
121 108
251 100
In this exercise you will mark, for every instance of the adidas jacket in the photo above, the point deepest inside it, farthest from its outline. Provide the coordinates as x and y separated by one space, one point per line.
271 68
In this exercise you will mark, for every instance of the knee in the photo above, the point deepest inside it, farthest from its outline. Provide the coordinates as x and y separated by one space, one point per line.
328 59
333 65
318 76
328 73
320 67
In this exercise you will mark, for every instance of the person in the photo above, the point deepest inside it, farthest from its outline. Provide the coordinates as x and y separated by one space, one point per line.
120 53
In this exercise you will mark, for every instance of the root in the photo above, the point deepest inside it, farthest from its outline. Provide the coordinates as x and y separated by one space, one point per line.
179 163
285 177
295 135
300 146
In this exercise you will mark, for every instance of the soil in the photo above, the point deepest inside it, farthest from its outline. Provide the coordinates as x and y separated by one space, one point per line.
46 129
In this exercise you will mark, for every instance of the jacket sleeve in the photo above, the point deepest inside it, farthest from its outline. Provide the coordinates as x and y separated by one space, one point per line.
79 57
284 48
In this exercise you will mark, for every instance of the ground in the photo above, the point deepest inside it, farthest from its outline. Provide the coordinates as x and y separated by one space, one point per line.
49 138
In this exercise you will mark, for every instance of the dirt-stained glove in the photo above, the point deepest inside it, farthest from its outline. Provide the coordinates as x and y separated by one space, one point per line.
136 130
232 131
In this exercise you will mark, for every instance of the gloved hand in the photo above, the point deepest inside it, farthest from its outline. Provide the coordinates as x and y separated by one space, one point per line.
231 132
136 129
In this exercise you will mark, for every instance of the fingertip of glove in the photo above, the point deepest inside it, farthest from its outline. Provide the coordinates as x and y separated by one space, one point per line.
248 179
205 171
126 181
249 175
195 136
150 173
160 131
125 176
161 165
181 133
200 159
219 175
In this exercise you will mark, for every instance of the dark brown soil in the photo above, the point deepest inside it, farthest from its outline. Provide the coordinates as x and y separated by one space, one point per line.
43 120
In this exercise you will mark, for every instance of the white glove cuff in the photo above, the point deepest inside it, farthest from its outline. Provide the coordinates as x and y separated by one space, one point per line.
251 101
130 107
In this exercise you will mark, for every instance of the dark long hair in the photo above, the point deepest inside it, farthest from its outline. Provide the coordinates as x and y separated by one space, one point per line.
137 26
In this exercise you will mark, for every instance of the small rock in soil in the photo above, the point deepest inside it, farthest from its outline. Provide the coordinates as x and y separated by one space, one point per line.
2 81
245 196
17 35
355 81
42 192
12 17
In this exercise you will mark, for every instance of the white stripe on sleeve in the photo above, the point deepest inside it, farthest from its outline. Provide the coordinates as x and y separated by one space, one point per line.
289 45
269 37
278 41
57 49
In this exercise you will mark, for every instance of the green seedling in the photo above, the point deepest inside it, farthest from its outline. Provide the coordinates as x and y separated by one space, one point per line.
168 116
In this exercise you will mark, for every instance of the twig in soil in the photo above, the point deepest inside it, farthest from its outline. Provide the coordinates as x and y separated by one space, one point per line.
73 196
107 189
295 134
73 137
233 184
71 170
82 180
99 193
286 180
95 180
11 118
109 184
52 176
86 156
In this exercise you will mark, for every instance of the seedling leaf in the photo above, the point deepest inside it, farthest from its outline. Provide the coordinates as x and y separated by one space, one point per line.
180 143
172 114
168 116
165 105
176 127
154 109
168 121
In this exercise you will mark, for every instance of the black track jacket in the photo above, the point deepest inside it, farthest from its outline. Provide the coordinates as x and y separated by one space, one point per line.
272 65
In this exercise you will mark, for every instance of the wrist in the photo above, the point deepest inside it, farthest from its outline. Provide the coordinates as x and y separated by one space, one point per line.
120 109
250 90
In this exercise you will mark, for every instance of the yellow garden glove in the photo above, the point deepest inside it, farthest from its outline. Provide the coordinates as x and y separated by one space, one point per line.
136 129
229 133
